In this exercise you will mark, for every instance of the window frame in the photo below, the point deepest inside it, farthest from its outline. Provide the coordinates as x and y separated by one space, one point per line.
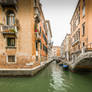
10 44
10 18
7 59
83 8
83 29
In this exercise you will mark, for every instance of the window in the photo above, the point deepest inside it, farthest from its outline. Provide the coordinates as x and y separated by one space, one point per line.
78 34
40 30
36 58
45 39
78 46
83 44
35 2
10 41
36 46
40 45
10 16
83 29
45 49
11 59
83 8
79 16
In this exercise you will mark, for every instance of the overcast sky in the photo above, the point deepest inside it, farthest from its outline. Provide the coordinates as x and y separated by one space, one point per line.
59 12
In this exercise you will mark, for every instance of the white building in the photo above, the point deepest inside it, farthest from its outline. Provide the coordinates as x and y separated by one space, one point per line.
49 35
65 48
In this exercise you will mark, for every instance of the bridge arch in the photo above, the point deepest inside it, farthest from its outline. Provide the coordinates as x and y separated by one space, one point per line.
83 62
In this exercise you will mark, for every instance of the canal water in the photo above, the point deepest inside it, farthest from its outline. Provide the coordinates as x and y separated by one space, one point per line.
51 79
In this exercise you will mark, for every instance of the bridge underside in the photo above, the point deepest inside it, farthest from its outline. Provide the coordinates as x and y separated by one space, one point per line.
83 63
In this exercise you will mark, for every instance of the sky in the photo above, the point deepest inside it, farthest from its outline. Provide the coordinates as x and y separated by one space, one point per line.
59 12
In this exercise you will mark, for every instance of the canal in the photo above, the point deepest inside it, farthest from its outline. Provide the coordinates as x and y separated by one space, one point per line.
51 79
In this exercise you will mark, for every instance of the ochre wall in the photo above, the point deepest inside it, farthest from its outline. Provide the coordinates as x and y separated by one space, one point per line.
25 41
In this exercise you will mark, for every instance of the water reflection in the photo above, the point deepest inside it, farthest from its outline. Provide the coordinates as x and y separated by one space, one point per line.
65 81
59 81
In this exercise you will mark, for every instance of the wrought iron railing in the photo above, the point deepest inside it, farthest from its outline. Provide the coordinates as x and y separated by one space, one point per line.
76 41
7 28
8 2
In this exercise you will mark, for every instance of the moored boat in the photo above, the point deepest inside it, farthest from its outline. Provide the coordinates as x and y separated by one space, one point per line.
65 66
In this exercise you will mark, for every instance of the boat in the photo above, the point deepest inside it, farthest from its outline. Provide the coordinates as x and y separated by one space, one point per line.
65 66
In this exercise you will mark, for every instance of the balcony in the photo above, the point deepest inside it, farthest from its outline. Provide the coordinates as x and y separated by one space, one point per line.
36 14
37 3
38 36
75 42
8 30
8 3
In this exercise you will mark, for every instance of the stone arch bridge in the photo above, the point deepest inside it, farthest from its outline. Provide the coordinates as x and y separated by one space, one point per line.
83 62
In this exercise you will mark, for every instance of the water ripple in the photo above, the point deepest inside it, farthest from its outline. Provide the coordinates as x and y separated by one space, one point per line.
58 81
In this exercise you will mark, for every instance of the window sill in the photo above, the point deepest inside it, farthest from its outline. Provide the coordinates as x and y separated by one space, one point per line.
11 62
10 47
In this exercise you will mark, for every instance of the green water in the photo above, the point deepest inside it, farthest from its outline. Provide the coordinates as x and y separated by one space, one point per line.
52 79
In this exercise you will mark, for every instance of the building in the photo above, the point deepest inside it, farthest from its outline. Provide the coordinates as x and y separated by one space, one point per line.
56 51
65 48
44 37
81 29
23 37
49 35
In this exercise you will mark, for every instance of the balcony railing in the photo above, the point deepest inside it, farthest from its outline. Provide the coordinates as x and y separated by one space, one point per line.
75 42
36 3
8 2
6 29
36 11
36 14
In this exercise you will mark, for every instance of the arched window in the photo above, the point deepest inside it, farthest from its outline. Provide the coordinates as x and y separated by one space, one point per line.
10 16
